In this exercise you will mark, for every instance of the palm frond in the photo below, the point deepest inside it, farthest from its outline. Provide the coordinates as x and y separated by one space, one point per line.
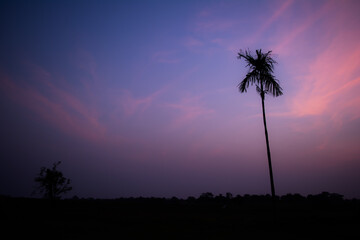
261 68
272 86
251 78
258 89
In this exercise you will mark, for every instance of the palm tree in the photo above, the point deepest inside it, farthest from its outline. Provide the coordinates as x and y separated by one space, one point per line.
261 68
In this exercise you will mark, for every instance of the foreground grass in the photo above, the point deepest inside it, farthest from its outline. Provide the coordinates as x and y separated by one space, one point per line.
249 217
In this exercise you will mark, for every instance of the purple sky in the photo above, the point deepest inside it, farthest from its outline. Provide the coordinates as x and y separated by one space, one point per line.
139 98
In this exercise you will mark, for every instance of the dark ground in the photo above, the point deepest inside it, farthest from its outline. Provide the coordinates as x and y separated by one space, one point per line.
323 216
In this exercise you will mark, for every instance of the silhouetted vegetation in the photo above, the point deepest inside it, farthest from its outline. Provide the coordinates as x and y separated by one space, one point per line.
209 216
52 183
260 73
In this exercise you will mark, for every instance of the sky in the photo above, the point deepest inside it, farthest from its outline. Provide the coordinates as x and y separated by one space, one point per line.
140 98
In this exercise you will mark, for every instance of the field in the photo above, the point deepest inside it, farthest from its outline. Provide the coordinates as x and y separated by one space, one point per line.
243 217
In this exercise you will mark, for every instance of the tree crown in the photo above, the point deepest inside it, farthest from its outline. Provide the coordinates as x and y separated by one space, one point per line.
52 182
260 73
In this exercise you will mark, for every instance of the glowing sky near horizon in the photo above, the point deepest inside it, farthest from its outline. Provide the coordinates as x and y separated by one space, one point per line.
139 98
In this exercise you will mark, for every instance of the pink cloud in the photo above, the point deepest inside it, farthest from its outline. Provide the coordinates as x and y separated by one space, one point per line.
62 110
329 80
85 61
332 83
131 105
269 21
277 14
192 42
232 45
290 34
165 57
214 25
189 108
204 13
65 97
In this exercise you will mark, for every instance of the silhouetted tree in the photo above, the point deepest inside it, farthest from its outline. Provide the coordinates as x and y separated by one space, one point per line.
52 183
206 196
261 68
229 195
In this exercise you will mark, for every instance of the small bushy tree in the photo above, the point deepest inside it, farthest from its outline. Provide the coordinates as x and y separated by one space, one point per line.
52 183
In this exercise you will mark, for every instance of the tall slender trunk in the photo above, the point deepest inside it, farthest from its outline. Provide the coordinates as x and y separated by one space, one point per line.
268 147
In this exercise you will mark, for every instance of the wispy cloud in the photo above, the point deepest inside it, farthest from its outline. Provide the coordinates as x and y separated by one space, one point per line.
214 25
281 10
55 106
204 12
166 57
192 42
331 82
189 109
208 22
291 34
131 105
85 61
